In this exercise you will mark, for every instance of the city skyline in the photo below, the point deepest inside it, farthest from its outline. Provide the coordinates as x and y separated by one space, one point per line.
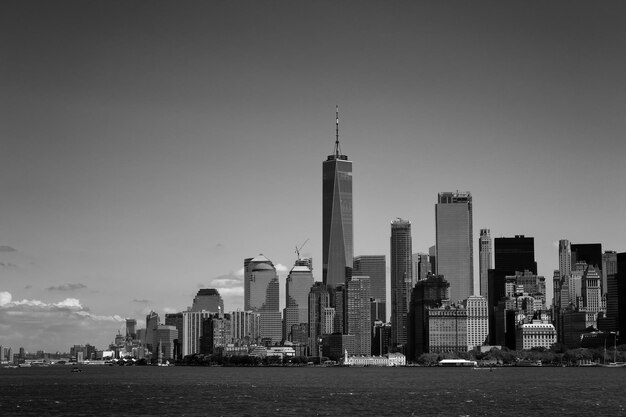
148 150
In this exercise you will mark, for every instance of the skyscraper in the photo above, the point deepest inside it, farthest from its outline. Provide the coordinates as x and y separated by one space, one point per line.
261 295
374 267
298 285
358 314
484 260
319 309
208 299
565 257
337 238
401 278
455 254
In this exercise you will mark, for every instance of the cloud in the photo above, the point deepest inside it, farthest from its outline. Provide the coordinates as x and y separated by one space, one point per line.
280 268
67 287
5 248
142 301
53 326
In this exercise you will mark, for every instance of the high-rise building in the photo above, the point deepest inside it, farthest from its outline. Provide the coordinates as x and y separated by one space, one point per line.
429 293
590 253
421 266
511 255
337 232
152 322
401 279
358 319
319 310
165 337
245 327
208 299
455 254
298 286
374 266
131 328
484 260
432 257
261 295
447 329
620 277
176 320
477 321
565 257
192 331
609 267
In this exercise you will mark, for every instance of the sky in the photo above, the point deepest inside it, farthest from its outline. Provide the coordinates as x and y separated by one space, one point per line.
147 148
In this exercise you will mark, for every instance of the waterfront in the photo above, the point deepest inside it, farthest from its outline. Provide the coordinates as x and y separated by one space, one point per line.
216 391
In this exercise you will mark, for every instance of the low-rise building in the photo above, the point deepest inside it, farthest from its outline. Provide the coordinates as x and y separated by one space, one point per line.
539 333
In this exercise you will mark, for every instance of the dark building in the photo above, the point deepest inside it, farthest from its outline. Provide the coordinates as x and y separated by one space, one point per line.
381 338
511 255
429 293
590 253
621 296
208 299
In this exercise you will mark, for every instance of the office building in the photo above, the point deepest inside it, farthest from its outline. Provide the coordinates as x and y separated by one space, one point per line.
192 331
432 257
216 333
455 255
421 266
358 318
609 267
208 299
245 327
131 328
401 279
477 321
565 257
320 312
447 329
152 322
261 295
429 293
165 342
484 260
337 231
297 288
590 253
374 266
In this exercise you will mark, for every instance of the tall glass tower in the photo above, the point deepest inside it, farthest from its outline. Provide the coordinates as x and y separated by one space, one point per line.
401 279
484 260
455 254
337 236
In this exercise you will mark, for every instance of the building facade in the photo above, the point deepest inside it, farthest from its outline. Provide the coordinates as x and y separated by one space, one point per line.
297 288
375 267
455 254
208 299
261 295
401 279
477 321
484 260
358 315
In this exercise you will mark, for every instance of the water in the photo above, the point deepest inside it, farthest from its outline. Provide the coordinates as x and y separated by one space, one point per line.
199 391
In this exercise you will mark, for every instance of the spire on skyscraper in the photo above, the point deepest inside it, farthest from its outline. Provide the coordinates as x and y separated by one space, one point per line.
337 148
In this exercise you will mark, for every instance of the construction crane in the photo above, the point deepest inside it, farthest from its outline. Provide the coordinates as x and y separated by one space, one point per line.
298 249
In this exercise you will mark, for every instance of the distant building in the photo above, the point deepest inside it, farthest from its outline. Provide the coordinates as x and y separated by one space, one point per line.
389 359
484 260
298 285
421 266
455 242
192 330
477 321
430 293
165 337
216 333
358 314
320 312
261 295
447 329
401 279
374 266
208 299
152 322
381 339
539 333
245 327
131 325
337 234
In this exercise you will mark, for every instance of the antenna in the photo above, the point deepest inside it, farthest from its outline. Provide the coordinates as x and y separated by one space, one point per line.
337 148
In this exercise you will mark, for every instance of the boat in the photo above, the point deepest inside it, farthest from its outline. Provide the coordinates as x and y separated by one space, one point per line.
76 369
458 362
613 364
